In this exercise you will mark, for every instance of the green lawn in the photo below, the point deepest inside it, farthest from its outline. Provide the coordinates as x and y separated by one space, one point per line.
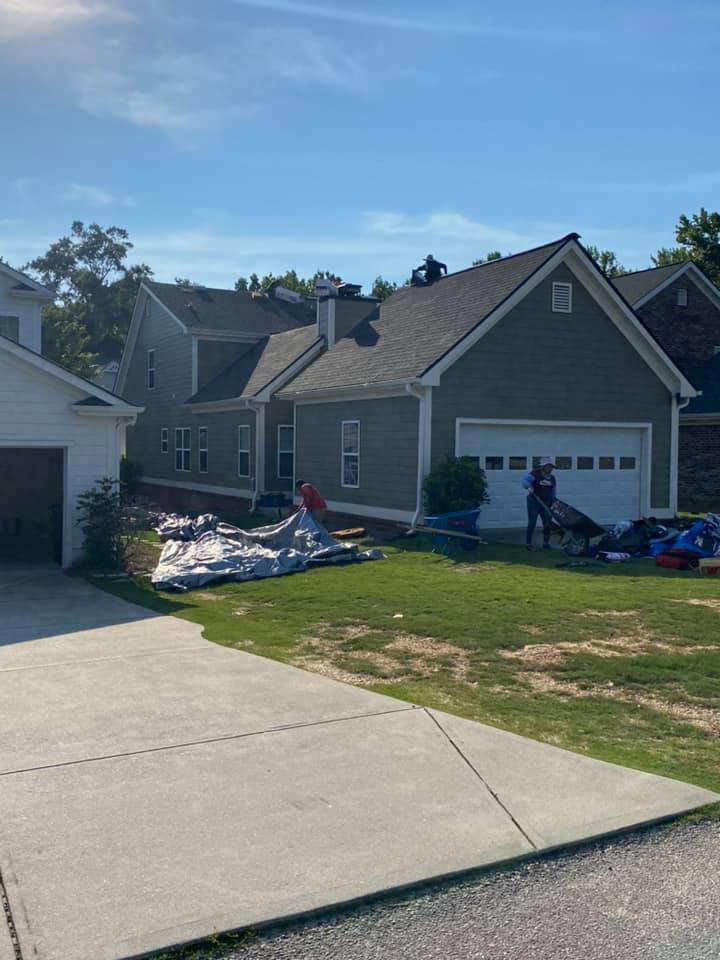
620 663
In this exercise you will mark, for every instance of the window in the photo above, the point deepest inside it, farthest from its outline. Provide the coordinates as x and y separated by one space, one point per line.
151 369
563 463
10 328
286 451
203 449
350 453
627 463
475 461
182 448
606 463
164 442
517 463
243 450
682 297
494 463
562 298
586 463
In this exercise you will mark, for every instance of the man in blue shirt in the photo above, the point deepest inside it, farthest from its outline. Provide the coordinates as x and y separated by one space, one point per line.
541 488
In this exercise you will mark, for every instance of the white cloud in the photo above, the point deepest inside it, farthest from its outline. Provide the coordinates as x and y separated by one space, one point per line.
18 17
451 227
86 193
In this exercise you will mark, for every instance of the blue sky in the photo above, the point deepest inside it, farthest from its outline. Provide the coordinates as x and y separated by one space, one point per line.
238 135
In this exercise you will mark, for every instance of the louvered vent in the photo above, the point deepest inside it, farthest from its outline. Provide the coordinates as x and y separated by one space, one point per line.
682 297
562 297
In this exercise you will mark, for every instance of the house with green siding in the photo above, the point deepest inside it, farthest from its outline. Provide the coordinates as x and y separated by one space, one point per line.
528 356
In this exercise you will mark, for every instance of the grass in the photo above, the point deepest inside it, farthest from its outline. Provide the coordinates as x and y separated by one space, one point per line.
620 662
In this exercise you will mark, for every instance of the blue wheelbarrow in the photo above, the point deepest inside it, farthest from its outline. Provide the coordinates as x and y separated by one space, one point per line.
462 521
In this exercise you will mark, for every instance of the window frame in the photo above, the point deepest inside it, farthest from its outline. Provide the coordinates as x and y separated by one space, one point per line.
556 285
344 457
681 295
150 369
9 316
284 450
203 450
164 440
183 450
244 450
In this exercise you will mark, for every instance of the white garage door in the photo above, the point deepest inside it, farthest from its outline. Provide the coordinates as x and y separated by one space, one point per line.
599 470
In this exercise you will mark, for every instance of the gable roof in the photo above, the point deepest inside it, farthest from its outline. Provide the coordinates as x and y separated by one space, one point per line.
235 311
263 363
97 396
635 286
416 326
24 284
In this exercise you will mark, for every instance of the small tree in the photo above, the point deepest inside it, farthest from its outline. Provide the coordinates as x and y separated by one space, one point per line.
104 525
455 483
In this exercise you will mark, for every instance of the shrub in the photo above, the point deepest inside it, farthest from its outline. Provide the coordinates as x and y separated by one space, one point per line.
129 473
455 483
104 525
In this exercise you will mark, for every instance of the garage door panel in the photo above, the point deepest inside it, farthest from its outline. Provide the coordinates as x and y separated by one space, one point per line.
603 479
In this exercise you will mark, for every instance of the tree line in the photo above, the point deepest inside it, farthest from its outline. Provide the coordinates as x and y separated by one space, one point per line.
95 286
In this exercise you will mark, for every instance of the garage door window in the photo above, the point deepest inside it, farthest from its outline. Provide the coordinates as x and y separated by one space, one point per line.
494 463
10 328
627 463
563 463
586 463
606 463
517 463
182 449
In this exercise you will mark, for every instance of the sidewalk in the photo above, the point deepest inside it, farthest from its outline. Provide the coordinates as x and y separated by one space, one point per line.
157 788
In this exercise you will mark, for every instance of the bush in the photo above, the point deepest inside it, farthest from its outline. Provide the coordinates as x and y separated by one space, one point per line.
129 473
455 483
104 525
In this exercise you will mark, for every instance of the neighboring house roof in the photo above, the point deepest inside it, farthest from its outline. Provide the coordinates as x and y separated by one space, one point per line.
706 378
263 363
417 325
26 285
236 311
636 286
98 398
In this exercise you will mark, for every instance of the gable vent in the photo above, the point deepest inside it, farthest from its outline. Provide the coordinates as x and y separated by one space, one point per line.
682 297
562 297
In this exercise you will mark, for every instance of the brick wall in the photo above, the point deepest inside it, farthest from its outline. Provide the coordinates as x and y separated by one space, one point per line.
689 334
699 469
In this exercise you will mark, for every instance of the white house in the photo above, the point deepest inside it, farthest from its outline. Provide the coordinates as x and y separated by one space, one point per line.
59 434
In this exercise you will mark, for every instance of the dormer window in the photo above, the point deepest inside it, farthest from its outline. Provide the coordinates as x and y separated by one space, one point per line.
562 298
682 297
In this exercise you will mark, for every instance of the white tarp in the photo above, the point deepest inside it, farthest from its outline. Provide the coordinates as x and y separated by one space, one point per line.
204 551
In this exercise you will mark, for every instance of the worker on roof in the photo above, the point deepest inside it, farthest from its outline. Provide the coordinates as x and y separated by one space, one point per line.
428 272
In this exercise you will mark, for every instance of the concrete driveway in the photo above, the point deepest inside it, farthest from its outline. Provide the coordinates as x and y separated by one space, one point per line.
156 788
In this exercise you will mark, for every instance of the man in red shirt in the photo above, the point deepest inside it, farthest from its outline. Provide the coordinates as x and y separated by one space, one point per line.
311 500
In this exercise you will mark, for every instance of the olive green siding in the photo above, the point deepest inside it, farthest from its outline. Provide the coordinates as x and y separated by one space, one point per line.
388 450
222 450
276 412
173 385
214 356
539 365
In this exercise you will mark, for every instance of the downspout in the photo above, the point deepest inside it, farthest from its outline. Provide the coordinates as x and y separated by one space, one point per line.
259 409
420 397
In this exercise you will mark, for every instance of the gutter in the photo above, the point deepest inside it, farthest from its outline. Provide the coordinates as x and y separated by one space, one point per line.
259 409
420 397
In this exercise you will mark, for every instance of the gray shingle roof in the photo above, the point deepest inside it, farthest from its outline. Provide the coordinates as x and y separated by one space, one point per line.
634 286
207 308
416 326
705 377
264 362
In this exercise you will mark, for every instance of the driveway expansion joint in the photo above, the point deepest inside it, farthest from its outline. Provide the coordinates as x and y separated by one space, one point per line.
14 940
480 777
125 656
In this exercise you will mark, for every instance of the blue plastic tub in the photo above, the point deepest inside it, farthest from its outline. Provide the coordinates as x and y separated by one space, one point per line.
463 521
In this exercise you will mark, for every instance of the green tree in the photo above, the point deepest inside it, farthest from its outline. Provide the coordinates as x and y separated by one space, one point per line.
305 286
492 255
607 261
95 289
698 239
382 289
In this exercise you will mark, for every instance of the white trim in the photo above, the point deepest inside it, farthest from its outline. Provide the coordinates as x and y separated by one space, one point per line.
645 453
259 452
187 450
575 257
555 303
194 367
168 311
363 510
285 426
121 411
367 391
226 335
200 487
698 419
424 450
150 369
39 292
678 297
677 406
343 424
248 450
278 382
60 373
695 273
205 450
165 438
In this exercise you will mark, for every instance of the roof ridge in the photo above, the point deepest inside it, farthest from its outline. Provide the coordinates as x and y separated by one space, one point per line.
634 273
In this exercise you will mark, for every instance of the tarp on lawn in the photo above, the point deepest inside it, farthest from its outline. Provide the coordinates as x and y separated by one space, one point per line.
205 551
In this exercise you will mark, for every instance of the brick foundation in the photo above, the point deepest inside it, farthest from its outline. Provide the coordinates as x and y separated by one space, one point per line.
699 469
